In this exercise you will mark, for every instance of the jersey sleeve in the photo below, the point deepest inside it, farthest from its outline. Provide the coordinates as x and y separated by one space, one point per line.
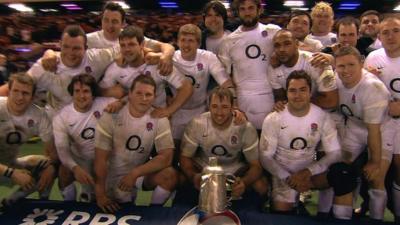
175 79
269 144
62 142
273 78
104 132
163 138
217 69
109 78
224 55
375 105
250 143
45 127
190 142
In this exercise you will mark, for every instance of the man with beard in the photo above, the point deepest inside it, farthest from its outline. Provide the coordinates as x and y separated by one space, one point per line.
132 63
247 50
386 62
322 22
287 52
112 22
369 27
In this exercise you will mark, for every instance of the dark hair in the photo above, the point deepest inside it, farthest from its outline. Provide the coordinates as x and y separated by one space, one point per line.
371 12
348 50
221 93
218 7
112 6
22 78
297 75
75 31
297 13
84 79
132 32
144 79
236 3
347 20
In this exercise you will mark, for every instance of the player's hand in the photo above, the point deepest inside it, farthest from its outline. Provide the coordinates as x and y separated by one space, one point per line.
50 61
377 72
82 176
114 107
197 180
238 188
371 170
106 204
165 65
127 183
239 117
320 60
394 107
279 106
300 181
47 177
274 61
152 58
160 113
23 178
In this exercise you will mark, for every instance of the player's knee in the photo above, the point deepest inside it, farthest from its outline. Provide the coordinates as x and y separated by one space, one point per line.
342 178
168 178
261 186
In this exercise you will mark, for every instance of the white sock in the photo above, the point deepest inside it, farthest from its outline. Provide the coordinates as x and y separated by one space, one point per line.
69 193
325 200
377 203
139 183
343 212
396 198
160 196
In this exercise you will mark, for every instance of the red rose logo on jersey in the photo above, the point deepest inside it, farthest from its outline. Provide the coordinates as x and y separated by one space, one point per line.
96 114
88 69
234 140
31 123
199 66
264 33
314 127
149 126
147 73
353 99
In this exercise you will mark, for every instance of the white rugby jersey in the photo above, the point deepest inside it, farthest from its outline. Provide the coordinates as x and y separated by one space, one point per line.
74 131
125 76
93 63
198 72
131 139
326 40
97 40
232 146
17 130
279 75
364 103
291 141
249 53
389 68
212 44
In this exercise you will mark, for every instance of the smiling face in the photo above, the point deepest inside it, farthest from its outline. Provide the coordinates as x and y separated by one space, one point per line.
111 24
347 35
349 69
20 97
221 110
188 45
369 25
72 50
299 96
299 26
213 21
82 97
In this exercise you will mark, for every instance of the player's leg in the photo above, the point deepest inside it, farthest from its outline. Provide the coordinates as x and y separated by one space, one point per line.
163 184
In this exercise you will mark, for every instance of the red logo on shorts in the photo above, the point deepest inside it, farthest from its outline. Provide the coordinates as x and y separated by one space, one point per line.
149 126
314 127
199 66
353 99
96 114
88 69
264 33
31 123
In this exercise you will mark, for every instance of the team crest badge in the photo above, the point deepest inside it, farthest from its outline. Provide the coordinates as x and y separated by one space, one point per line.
88 69
199 66
353 99
31 123
96 114
147 73
314 127
149 126
264 33
234 140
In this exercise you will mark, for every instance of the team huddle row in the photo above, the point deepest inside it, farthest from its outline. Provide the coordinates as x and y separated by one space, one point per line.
127 113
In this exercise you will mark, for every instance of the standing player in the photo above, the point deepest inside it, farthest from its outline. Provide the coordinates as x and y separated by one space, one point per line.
288 146
197 65
132 63
386 62
369 27
290 58
20 120
363 100
214 134
247 50
322 21
124 142
112 22
74 130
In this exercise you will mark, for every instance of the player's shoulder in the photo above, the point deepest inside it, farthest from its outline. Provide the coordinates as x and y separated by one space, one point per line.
376 54
270 27
372 84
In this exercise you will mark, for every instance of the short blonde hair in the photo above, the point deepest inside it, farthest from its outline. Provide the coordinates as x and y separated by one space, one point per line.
321 7
190 29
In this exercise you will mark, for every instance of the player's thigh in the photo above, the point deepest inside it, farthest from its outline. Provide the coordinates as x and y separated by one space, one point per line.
167 178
